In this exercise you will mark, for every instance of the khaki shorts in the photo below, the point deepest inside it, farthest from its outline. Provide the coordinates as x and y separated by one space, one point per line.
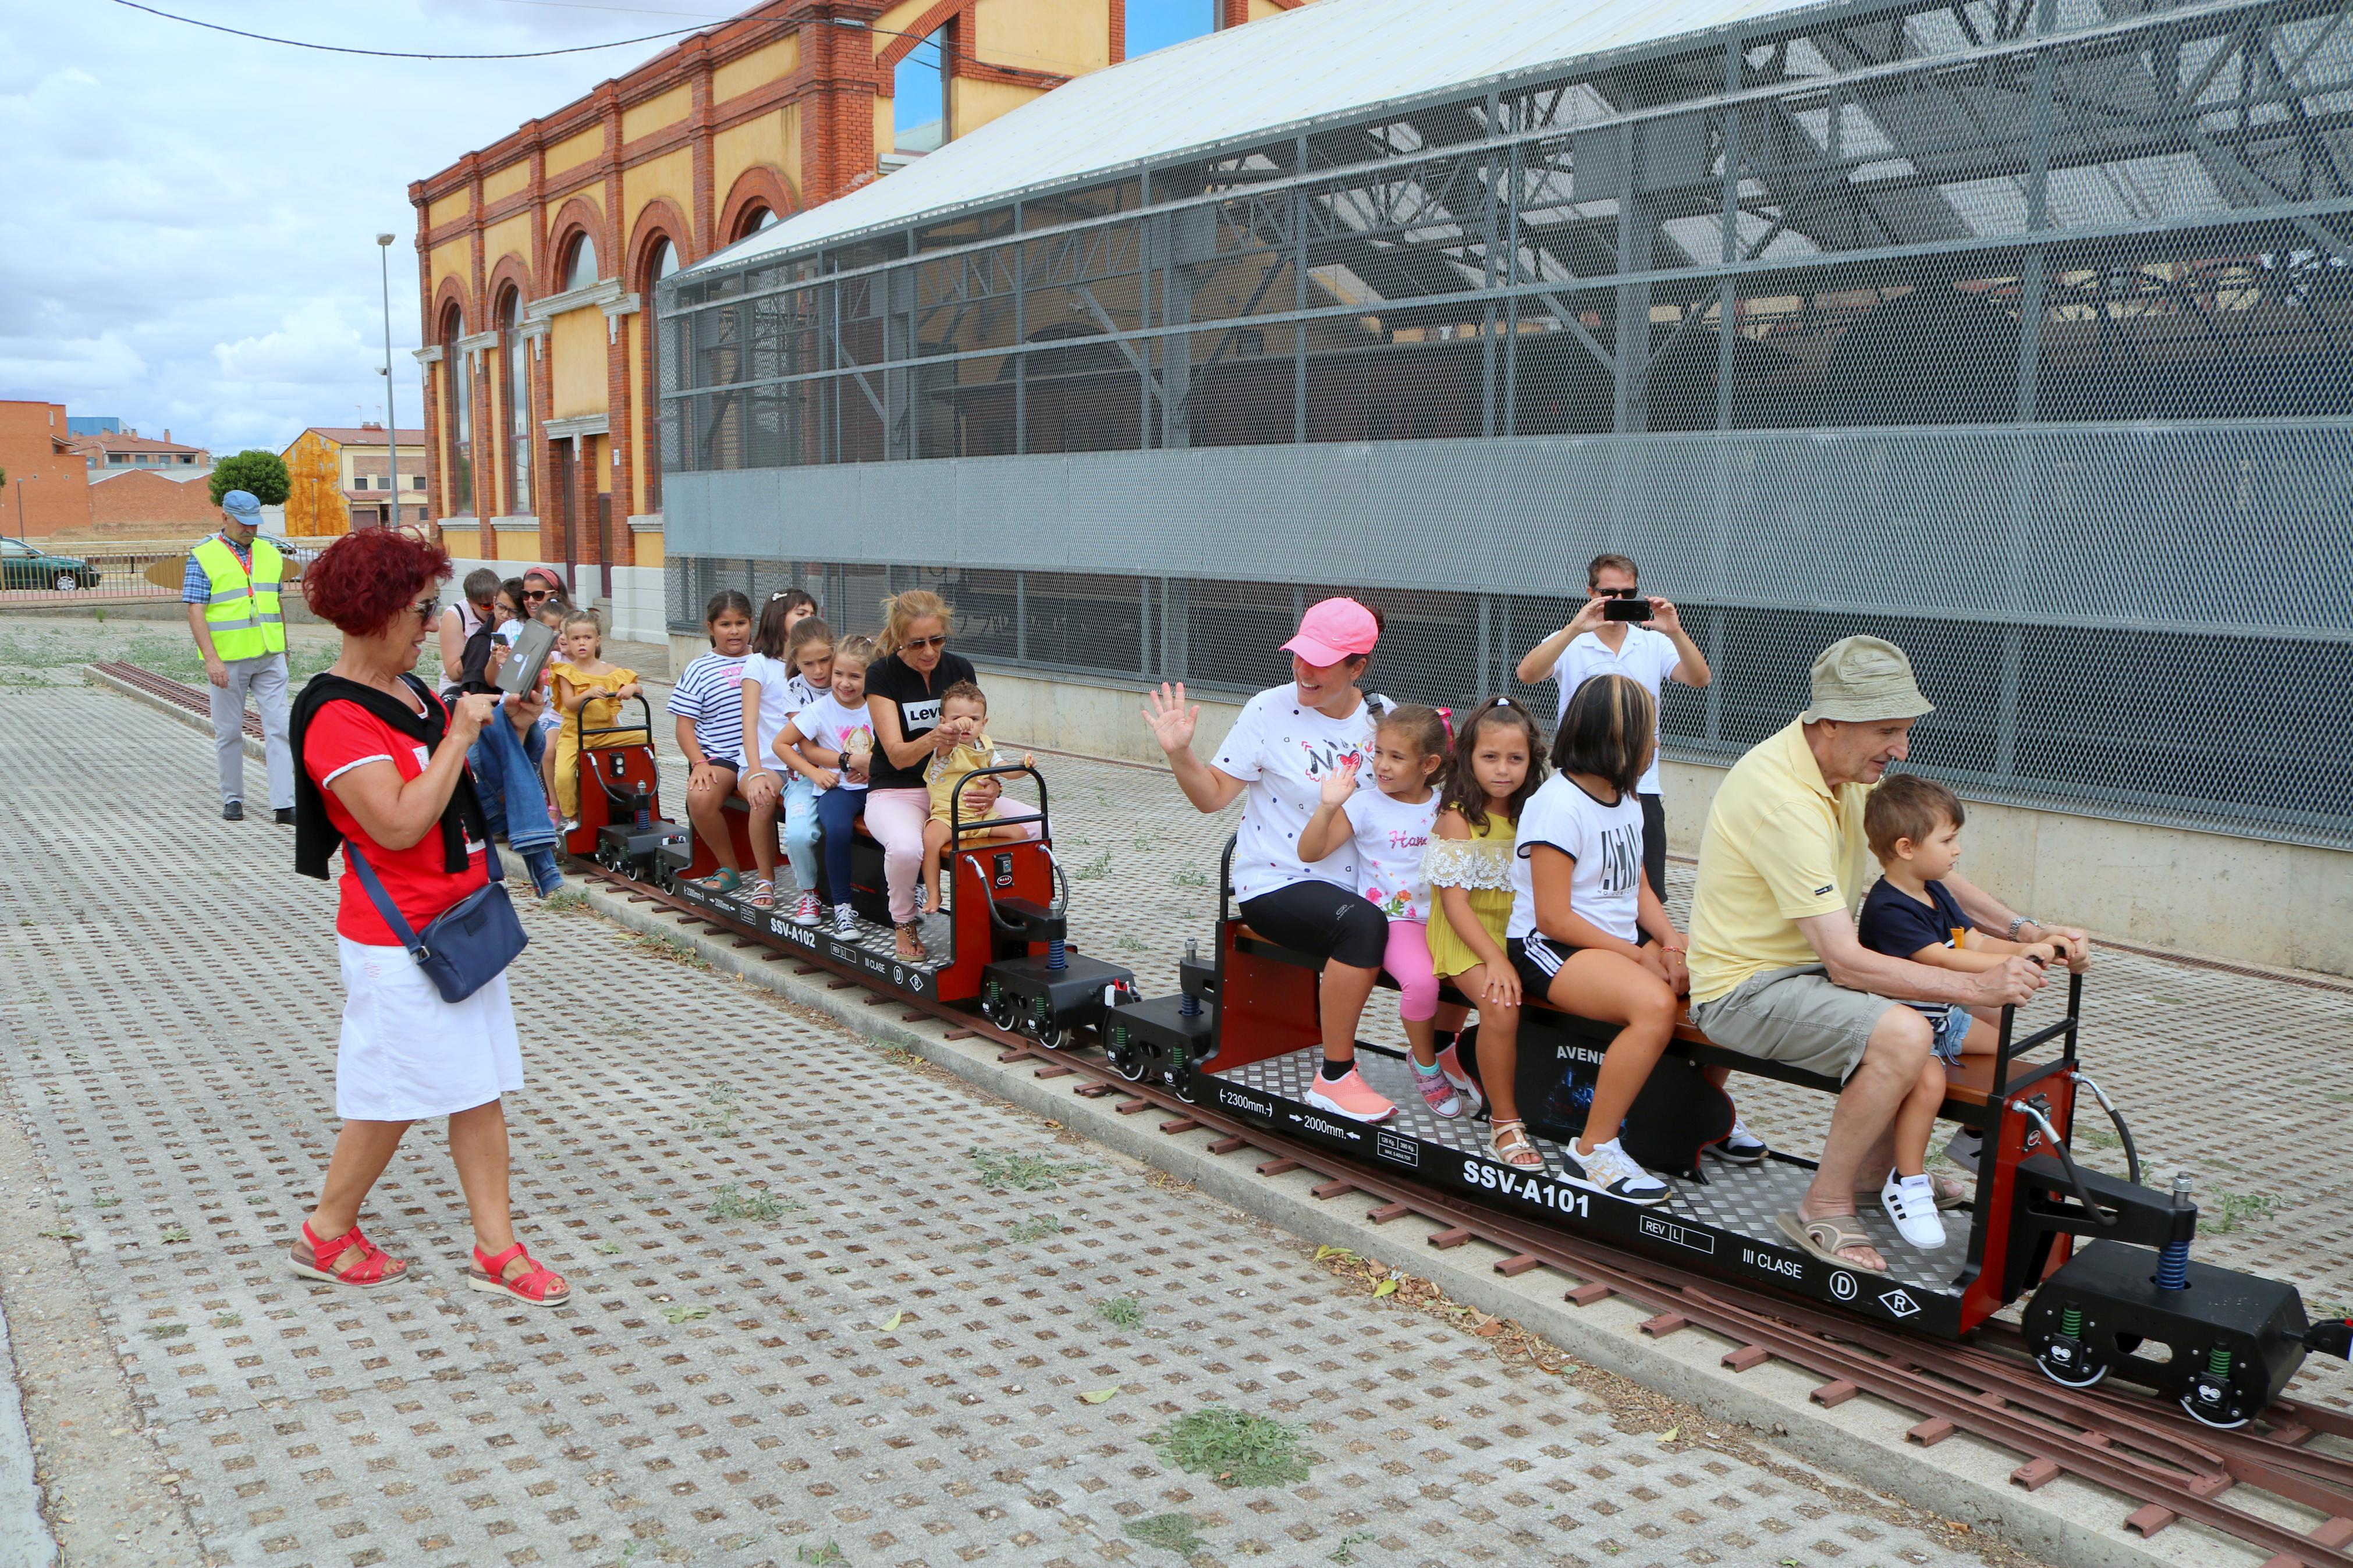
1796 1018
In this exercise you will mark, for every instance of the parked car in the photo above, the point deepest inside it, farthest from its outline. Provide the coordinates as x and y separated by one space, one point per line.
298 555
23 566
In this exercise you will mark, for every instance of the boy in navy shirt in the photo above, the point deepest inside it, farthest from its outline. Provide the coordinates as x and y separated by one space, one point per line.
1914 824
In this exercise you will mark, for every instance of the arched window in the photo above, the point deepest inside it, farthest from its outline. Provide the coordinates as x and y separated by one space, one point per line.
580 263
753 219
514 386
660 262
457 405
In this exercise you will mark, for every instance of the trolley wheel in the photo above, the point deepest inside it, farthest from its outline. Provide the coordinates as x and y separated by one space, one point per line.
1050 1036
1126 1059
1000 1010
1181 1082
2071 1377
2204 1420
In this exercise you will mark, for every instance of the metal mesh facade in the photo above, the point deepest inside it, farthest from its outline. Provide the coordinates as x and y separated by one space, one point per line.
2029 343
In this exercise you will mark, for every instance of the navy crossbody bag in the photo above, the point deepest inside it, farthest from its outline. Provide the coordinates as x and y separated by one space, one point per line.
466 946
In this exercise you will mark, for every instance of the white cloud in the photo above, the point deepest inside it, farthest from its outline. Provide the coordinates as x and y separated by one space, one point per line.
189 220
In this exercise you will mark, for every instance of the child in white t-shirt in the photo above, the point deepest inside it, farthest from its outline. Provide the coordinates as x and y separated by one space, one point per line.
831 744
1390 826
1581 910
768 696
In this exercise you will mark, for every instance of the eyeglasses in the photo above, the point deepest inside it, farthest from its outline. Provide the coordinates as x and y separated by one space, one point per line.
428 609
925 642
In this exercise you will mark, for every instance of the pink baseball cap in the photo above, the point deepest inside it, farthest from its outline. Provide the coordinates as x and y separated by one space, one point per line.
1334 630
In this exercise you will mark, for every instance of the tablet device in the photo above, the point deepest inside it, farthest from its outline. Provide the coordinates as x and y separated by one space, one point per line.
520 673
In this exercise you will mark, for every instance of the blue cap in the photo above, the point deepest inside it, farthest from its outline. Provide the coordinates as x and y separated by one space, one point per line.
243 505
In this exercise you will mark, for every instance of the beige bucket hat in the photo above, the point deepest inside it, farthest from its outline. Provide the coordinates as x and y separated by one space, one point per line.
1861 680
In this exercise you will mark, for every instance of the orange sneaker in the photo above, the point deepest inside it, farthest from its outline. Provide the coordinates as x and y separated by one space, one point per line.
1350 1096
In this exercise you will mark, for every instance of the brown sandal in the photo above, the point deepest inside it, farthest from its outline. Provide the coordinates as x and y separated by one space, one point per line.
910 934
1828 1237
1509 1141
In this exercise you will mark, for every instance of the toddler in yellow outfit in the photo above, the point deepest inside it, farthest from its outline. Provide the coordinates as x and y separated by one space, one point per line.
963 711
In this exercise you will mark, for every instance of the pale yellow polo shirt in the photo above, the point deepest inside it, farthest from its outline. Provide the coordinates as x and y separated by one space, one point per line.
1780 847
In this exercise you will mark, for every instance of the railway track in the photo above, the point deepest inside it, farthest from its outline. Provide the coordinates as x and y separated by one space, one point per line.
2172 1467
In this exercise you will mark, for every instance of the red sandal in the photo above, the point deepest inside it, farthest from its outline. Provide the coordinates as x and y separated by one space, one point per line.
538 1286
315 1260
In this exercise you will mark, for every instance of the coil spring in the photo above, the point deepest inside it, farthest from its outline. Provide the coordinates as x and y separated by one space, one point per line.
1055 957
2173 1266
2218 1361
2071 1323
1188 1005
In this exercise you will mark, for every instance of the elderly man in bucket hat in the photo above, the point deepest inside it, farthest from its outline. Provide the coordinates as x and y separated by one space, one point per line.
1777 970
231 589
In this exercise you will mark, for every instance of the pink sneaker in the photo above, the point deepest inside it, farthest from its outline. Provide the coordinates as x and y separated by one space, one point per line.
1450 1068
1437 1092
1350 1096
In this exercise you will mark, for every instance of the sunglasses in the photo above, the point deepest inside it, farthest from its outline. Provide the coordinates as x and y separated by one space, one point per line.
428 609
530 593
925 642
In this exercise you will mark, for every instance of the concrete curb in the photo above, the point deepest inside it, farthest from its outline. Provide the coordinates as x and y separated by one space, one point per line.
2067 1522
196 722
24 1534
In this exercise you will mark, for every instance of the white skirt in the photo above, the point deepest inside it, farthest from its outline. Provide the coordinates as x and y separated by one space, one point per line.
406 1054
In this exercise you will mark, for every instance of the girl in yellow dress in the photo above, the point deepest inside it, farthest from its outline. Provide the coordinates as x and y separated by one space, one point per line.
1498 762
588 693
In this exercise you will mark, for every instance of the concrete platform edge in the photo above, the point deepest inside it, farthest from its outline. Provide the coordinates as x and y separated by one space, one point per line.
2068 1522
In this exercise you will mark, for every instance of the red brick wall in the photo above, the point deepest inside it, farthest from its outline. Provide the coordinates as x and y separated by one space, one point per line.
174 505
57 492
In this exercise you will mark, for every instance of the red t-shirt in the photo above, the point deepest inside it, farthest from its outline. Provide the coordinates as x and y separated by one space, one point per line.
342 736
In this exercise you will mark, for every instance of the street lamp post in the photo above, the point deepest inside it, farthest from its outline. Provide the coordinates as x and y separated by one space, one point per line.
21 482
391 408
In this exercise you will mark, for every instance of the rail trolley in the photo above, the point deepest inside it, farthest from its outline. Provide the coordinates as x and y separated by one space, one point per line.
2105 1262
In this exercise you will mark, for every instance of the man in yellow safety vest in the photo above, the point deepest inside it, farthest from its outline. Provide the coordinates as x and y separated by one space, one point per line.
231 591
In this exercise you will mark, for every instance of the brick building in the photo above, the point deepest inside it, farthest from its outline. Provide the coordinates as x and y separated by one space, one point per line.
538 254
118 450
151 502
47 486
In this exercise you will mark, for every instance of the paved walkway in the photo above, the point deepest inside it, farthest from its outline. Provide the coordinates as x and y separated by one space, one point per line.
911 1359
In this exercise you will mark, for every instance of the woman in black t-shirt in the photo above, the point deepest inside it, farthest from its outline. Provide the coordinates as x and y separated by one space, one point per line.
902 693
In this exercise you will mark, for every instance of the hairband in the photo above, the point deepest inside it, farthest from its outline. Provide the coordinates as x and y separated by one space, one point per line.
1503 703
1446 718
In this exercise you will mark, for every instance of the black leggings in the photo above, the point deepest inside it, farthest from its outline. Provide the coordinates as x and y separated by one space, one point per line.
1654 843
1324 918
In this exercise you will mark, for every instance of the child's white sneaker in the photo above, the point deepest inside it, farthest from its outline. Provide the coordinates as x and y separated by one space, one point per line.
1911 1203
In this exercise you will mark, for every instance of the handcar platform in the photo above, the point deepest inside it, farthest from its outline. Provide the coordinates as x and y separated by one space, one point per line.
874 950
1725 1220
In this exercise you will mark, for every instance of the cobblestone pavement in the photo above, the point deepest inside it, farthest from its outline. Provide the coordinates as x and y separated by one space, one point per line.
808 1324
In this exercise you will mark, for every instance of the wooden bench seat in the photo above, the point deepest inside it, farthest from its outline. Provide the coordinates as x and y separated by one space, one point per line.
1968 1086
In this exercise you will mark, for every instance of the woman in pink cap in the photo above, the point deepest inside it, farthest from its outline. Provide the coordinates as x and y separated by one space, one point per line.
1276 757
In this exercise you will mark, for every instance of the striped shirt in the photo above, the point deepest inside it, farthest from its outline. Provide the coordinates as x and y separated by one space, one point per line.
711 693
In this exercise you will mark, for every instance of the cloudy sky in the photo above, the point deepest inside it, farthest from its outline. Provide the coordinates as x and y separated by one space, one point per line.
187 219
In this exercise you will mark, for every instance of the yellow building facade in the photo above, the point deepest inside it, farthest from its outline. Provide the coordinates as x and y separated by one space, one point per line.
538 255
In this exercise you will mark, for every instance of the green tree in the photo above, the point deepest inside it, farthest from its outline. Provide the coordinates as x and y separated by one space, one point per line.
262 473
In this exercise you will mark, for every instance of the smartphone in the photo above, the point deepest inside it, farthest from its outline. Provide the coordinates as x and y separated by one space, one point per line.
1625 609
532 644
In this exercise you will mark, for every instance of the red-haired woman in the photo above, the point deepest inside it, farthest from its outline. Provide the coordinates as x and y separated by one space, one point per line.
380 769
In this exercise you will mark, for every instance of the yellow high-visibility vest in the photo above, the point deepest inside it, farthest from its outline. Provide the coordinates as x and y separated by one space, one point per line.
243 616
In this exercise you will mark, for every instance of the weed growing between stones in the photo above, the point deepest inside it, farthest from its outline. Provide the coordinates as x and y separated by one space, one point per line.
1036 1229
998 1168
1121 1312
1232 1448
728 1201
1169 1531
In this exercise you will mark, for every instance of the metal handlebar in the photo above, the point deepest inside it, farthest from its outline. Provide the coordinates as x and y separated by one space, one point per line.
955 805
2132 1155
